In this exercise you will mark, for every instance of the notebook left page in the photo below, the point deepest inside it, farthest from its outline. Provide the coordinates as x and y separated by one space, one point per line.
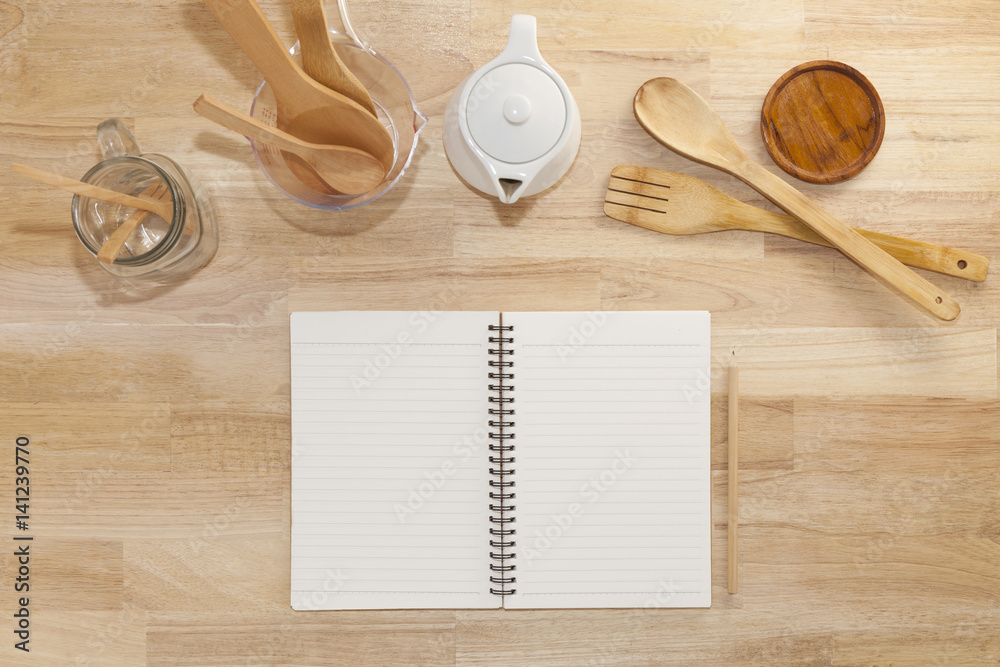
390 460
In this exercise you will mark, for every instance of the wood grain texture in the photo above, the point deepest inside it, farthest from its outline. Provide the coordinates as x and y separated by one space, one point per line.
10 18
822 121
160 422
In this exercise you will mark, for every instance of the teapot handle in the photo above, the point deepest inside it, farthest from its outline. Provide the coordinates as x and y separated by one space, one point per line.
116 140
523 39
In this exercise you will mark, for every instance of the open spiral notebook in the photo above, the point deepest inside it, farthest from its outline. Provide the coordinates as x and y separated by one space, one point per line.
515 460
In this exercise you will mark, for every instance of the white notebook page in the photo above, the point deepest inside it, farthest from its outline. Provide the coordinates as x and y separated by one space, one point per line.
390 467
612 459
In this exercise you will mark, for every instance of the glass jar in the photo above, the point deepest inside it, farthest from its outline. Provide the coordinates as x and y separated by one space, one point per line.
159 250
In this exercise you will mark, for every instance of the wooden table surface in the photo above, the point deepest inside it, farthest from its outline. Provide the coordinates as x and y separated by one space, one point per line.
159 423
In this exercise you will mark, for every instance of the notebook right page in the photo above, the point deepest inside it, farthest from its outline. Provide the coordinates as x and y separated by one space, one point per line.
612 470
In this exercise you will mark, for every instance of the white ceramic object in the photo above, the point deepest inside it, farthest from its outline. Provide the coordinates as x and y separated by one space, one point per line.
512 128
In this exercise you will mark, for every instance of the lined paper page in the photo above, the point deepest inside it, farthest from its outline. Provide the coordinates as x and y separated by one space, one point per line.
390 460
613 459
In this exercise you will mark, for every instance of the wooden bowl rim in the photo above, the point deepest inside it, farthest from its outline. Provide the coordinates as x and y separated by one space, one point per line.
822 177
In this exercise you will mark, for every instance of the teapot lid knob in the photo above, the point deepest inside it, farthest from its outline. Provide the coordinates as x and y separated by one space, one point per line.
516 109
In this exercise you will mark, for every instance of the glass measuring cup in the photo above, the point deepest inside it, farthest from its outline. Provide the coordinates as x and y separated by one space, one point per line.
397 110
158 249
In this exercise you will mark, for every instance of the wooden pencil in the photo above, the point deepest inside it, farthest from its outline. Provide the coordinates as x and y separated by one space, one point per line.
734 466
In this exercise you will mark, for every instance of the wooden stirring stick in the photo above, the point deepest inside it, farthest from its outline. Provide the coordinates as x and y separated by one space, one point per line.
113 245
734 467
163 209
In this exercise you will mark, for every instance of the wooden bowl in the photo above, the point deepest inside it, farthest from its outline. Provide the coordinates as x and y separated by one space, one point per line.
822 122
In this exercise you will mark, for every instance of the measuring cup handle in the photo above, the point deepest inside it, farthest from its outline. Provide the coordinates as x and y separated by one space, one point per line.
116 140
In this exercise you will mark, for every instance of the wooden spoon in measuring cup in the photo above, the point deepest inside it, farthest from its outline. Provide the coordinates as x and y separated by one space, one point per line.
306 109
681 120
347 170
319 57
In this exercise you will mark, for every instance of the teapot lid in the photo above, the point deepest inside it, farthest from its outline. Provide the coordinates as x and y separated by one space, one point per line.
516 112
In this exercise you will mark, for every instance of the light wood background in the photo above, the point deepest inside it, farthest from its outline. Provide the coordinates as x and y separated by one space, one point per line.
160 423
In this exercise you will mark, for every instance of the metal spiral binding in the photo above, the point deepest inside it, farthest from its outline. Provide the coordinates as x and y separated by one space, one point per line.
501 411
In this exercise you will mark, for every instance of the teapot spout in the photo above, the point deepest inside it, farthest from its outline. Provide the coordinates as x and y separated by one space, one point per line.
509 190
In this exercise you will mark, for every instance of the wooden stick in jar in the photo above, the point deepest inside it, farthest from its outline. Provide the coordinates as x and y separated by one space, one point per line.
163 209
113 246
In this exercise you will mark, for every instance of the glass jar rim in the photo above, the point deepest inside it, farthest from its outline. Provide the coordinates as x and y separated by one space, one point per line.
174 233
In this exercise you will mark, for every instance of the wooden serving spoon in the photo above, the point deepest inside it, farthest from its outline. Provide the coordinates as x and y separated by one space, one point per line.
681 120
306 109
347 170
163 209
320 59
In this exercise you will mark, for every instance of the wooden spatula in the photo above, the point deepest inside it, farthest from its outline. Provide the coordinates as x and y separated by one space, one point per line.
674 203
681 120
320 59
306 109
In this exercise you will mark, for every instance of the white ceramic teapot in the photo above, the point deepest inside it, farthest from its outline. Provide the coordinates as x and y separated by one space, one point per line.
512 128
